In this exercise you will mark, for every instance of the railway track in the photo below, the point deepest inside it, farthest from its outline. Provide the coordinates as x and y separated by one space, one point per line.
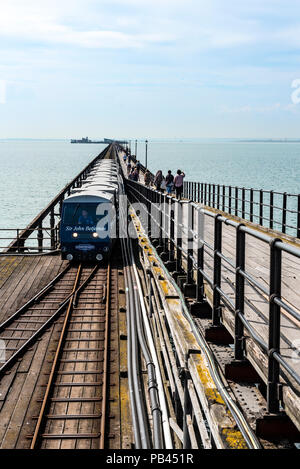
73 413
74 407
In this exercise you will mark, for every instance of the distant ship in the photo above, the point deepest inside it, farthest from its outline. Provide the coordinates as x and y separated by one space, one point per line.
105 141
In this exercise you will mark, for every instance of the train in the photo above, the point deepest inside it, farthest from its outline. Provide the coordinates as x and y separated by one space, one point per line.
89 216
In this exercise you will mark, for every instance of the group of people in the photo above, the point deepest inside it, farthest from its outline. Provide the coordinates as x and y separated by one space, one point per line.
133 172
170 183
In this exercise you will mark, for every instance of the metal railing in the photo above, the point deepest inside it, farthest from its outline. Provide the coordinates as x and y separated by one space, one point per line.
272 209
183 244
40 239
50 216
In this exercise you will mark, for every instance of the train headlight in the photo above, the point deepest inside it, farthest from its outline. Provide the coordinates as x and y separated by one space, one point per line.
99 257
75 235
95 235
69 257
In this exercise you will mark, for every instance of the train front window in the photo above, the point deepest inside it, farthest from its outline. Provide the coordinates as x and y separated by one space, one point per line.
83 215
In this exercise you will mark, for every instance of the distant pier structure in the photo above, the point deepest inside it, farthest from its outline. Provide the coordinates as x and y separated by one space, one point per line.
105 141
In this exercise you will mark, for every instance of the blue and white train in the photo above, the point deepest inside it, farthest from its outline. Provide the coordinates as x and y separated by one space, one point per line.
89 215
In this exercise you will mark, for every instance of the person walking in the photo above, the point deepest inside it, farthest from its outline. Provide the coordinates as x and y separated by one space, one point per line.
158 179
135 175
178 183
128 168
147 178
169 182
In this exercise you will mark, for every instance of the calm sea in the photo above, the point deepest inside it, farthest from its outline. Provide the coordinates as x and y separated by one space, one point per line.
33 172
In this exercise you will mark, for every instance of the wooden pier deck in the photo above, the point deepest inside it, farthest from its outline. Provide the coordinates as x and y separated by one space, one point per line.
22 277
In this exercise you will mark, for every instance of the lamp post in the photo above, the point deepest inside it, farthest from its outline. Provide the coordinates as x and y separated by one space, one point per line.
146 154
136 149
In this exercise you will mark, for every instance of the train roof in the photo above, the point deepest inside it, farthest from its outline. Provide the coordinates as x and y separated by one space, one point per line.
90 196
102 178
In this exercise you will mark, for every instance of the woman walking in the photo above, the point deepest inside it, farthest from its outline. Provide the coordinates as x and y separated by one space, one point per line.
178 183
158 179
147 178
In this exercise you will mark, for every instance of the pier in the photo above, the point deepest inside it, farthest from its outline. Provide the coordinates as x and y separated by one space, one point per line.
197 317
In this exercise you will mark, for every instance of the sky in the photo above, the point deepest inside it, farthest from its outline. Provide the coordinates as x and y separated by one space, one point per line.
150 68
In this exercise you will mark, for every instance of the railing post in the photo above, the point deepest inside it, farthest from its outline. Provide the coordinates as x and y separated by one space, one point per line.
261 207
149 204
223 198
205 194
271 209
273 398
218 197
209 195
60 205
52 230
165 238
216 312
40 237
18 240
190 244
243 202
198 190
160 196
284 202
251 205
239 293
171 229
179 236
298 218
184 190
236 201
200 257
229 199
214 195
202 194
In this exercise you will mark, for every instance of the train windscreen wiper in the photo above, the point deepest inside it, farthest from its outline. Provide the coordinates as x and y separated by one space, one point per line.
77 206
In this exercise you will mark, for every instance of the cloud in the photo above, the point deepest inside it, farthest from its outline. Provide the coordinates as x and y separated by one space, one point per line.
260 109
30 22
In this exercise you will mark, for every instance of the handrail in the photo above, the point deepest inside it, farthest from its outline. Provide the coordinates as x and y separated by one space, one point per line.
272 209
167 210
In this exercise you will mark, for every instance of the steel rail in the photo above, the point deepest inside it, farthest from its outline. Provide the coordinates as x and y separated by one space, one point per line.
134 414
54 365
31 340
105 362
34 299
156 391
71 304
144 439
